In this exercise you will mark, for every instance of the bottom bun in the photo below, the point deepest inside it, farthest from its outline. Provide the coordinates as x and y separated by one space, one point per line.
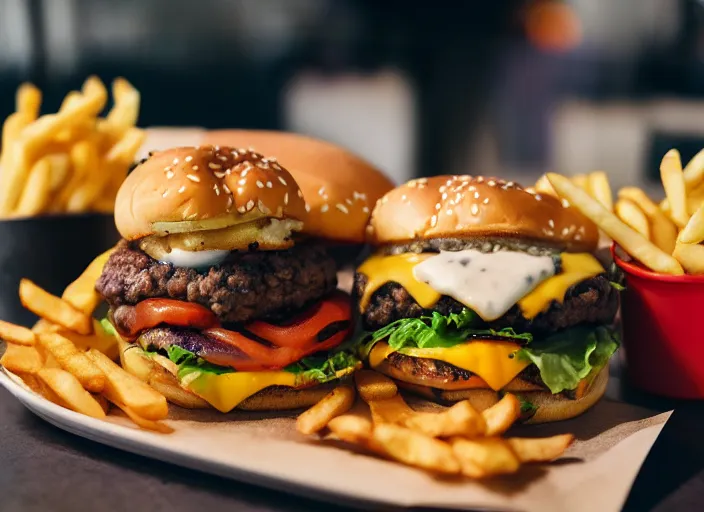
550 407
162 378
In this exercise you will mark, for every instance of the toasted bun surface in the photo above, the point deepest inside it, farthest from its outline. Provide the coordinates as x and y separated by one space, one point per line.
467 206
550 407
197 183
339 187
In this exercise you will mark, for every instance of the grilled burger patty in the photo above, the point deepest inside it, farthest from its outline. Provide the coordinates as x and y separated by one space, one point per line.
248 286
593 301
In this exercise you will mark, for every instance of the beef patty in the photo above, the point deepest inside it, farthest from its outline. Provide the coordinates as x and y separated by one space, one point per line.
249 285
593 301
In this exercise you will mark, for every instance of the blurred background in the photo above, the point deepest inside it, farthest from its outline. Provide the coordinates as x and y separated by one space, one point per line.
506 87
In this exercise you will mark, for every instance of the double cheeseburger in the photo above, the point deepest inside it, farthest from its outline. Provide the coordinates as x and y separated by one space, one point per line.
223 291
479 287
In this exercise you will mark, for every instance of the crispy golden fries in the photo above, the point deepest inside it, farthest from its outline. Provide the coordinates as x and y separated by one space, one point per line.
16 334
691 256
144 423
69 390
662 230
631 241
337 402
673 182
540 449
694 171
37 174
99 340
628 212
48 306
81 293
352 429
693 232
542 186
500 416
414 449
124 388
73 360
599 188
459 420
485 457
374 386
21 359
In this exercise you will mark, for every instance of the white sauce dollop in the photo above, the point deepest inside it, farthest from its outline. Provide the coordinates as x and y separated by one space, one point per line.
194 259
488 283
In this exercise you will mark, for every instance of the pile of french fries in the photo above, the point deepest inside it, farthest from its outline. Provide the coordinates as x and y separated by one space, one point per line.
665 237
456 441
73 160
68 358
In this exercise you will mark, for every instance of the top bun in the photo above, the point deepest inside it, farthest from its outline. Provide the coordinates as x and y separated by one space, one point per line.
339 187
198 183
467 206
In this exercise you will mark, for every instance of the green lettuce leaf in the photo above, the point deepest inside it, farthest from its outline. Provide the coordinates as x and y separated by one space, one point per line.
108 327
322 369
188 362
567 357
617 286
436 331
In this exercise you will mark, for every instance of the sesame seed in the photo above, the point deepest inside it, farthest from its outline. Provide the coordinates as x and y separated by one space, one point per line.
422 181
325 197
250 205
242 182
241 209
474 209
195 168
244 173
300 194
538 197
404 197
449 212
213 165
175 162
433 220
240 190
480 179
188 158
342 208
438 206
260 184
283 181
216 189
472 188
577 236
229 203
357 195
486 201
442 188
166 193
476 195
365 209
169 175
262 207
565 203
276 166
491 183
193 177
286 198
444 196
321 191
227 189
223 158
348 201
269 184
565 231
182 189
219 174
551 223
307 207
324 208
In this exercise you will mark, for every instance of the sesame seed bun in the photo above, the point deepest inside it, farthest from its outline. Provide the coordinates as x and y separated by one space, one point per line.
198 183
467 206
340 188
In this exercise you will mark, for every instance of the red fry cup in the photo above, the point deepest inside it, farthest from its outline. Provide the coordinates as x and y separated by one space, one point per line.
663 335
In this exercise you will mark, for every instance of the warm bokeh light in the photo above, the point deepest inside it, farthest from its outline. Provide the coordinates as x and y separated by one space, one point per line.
552 25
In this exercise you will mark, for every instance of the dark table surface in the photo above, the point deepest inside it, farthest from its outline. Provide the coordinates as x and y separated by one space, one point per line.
45 468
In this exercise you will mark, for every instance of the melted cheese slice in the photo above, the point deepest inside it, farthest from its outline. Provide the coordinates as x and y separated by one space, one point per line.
575 269
493 361
398 268
226 391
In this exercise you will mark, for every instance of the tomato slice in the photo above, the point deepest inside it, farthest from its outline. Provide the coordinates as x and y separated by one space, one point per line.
302 330
152 312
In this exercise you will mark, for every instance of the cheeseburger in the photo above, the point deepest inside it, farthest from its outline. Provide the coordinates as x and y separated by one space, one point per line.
217 294
479 287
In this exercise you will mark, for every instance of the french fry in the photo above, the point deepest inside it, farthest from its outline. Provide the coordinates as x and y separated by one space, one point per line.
415 449
11 129
124 388
628 212
540 449
34 138
694 171
52 308
99 340
599 189
542 186
35 197
73 360
16 334
60 170
335 403
631 241
693 232
485 457
500 416
102 402
69 389
374 386
84 161
352 429
21 359
673 182
81 293
28 100
156 426
581 180
390 410
663 231
459 420
691 256
124 113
